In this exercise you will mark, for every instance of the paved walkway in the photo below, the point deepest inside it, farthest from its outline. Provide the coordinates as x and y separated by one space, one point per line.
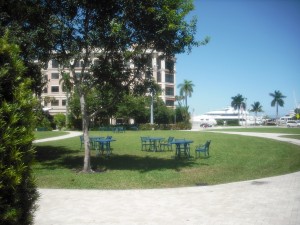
69 135
275 136
268 201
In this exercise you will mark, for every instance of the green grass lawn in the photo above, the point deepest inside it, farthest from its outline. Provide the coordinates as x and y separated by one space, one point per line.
233 158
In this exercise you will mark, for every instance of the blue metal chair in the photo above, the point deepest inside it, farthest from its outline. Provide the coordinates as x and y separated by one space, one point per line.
145 143
203 148
167 144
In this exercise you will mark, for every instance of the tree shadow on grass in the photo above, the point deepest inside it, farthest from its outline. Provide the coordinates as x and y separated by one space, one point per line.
50 157
139 163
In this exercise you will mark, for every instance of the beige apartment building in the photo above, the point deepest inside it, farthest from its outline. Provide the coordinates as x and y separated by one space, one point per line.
54 98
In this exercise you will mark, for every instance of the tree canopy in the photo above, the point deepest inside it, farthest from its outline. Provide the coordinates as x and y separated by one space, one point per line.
238 102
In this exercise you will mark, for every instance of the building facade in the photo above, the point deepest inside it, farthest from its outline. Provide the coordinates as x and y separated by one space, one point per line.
54 97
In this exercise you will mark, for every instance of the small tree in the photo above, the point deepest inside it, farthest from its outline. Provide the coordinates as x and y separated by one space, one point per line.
256 108
186 89
17 188
237 103
60 120
277 100
67 86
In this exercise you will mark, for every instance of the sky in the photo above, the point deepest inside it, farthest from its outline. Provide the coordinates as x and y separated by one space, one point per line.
254 50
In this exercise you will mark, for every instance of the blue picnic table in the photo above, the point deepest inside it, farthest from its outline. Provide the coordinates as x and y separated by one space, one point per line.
182 146
103 144
154 143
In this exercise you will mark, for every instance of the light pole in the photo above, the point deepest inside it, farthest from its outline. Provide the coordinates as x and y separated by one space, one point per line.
151 109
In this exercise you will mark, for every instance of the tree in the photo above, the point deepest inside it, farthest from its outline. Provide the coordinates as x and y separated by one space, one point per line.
277 100
17 188
297 113
114 34
186 89
256 107
67 86
135 107
117 33
182 112
29 28
238 102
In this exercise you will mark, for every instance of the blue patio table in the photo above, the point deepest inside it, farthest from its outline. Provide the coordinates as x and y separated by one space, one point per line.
182 145
154 143
103 144
93 141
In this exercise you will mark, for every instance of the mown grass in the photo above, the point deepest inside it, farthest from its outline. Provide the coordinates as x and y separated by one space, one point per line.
233 158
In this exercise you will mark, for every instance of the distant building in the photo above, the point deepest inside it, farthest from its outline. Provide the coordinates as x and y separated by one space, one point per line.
54 97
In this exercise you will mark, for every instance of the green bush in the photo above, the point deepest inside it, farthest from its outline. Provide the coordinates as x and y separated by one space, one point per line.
60 120
17 187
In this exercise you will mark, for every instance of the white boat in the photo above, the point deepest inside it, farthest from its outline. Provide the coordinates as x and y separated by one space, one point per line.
228 113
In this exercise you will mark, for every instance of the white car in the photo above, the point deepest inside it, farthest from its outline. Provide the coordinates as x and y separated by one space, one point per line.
292 123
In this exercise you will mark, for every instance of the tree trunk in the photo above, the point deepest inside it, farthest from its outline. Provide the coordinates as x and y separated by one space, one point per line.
67 110
85 128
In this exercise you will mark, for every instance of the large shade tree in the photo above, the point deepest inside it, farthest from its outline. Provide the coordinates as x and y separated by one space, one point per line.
277 100
115 33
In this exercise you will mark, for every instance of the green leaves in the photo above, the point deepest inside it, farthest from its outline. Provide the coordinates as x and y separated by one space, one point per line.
17 189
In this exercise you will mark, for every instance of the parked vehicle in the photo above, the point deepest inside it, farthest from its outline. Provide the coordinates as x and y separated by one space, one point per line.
205 125
292 123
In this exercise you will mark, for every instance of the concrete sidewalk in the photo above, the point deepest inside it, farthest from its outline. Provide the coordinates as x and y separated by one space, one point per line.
69 135
268 201
275 136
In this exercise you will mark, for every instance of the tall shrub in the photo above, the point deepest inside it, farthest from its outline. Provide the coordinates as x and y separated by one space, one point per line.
17 188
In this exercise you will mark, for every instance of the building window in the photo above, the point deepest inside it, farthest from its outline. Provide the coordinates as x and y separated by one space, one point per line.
64 102
169 102
55 103
96 62
54 63
45 90
170 91
78 75
149 61
77 64
169 65
54 89
170 78
158 76
158 63
54 75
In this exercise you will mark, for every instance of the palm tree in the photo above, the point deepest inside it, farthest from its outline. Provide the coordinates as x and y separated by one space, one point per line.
238 103
67 85
277 101
186 89
256 107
